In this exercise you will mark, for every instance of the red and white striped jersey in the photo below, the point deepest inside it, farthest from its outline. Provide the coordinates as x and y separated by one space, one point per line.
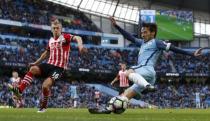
97 94
15 81
123 79
59 50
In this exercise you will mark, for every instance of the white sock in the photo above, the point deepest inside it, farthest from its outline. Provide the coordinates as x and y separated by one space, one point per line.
138 79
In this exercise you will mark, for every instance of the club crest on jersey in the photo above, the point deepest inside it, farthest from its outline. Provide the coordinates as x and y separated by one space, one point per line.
57 43
146 45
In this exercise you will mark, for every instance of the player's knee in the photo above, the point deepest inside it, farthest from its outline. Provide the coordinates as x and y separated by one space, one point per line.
128 72
45 86
34 70
47 83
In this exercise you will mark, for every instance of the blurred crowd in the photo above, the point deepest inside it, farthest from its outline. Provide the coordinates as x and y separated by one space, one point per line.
178 63
42 12
179 95
168 95
23 51
103 58
187 64
26 51
62 95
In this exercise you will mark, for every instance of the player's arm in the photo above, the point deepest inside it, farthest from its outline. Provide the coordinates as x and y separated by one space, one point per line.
169 47
78 39
115 80
199 52
43 56
125 34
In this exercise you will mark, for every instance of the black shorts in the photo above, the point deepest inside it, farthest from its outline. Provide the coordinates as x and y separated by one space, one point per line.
48 70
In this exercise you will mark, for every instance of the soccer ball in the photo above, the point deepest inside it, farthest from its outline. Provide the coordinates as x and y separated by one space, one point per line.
118 104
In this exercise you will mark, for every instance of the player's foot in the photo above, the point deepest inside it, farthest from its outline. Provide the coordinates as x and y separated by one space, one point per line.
149 88
99 111
153 107
43 105
42 110
15 90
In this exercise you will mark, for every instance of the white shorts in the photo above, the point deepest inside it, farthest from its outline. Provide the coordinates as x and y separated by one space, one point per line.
148 73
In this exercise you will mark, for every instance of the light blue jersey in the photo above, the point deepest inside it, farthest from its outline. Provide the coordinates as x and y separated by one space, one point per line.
149 53
148 56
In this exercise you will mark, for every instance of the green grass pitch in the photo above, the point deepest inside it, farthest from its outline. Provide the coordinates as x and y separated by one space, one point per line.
169 28
28 114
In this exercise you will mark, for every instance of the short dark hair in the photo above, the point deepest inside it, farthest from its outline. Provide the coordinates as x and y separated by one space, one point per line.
152 27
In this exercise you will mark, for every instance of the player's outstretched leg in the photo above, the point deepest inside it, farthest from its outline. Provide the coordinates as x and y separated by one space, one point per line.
26 81
17 90
139 80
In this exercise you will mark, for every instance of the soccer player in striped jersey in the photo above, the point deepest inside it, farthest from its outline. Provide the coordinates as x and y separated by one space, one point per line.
57 52
15 80
97 97
122 78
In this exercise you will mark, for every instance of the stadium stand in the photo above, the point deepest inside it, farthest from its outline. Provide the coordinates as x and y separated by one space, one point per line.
38 12
61 96
169 95
12 50
178 95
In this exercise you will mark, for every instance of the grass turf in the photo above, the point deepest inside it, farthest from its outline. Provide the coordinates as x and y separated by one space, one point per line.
168 28
28 114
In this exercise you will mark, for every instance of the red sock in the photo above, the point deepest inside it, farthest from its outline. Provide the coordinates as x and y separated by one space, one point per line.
26 81
44 101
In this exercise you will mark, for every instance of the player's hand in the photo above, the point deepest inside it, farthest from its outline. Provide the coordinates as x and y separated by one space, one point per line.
82 49
113 21
112 83
198 52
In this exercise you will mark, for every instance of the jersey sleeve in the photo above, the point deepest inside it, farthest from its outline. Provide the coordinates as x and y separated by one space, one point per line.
68 37
128 36
163 45
206 53
47 46
168 47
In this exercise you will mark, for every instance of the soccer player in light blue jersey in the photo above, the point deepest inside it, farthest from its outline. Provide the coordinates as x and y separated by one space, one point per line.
143 74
